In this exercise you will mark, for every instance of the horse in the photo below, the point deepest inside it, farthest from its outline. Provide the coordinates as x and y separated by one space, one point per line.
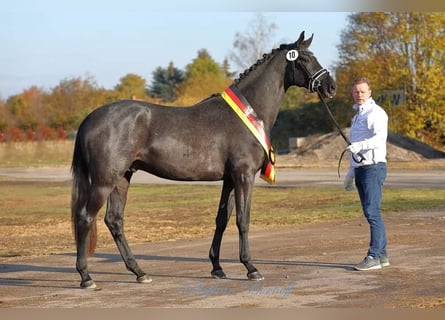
204 142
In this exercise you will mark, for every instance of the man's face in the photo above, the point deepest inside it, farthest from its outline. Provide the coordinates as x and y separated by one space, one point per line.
361 93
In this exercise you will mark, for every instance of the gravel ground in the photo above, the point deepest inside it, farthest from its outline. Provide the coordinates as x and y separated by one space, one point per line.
306 266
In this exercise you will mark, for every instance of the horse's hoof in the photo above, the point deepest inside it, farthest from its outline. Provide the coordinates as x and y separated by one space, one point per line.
89 285
218 274
144 279
255 276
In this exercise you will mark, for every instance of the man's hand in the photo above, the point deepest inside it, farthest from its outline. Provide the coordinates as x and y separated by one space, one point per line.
355 147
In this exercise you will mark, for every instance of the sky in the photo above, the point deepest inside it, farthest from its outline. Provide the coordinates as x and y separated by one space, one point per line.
44 42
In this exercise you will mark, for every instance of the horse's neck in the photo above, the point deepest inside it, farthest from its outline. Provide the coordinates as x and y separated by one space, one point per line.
264 90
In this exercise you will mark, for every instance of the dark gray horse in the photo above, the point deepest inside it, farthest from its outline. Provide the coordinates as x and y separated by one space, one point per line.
204 142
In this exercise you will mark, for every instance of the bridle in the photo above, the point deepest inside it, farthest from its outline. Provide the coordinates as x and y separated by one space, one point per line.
314 84
314 80
314 77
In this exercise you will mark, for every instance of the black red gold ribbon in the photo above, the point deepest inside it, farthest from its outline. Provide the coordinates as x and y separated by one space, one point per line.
245 112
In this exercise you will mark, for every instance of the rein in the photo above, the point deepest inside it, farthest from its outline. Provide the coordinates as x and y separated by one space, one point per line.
313 85
340 131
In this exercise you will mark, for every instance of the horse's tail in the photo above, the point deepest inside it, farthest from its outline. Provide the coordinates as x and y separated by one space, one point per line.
79 196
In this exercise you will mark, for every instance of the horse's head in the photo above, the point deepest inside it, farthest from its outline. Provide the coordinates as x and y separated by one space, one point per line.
304 70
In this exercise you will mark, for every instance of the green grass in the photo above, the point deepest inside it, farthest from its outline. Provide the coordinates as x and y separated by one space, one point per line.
33 200
35 217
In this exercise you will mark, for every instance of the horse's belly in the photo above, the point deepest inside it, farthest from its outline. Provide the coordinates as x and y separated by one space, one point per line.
185 167
190 156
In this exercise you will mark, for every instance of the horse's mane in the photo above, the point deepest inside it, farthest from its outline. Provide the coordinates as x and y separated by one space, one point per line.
260 61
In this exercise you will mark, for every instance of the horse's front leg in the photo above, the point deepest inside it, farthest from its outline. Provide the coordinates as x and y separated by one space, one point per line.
225 209
243 199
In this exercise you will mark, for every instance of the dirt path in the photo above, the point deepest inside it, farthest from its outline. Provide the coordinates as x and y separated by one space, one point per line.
306 266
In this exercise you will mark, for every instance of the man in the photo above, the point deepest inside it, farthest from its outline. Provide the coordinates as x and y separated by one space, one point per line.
369 131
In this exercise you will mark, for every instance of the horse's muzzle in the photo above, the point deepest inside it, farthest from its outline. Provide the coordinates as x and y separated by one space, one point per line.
328 87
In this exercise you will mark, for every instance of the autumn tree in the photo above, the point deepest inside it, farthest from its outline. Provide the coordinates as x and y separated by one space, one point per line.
27 110
71 101
398 51
203 77
3 116
132 86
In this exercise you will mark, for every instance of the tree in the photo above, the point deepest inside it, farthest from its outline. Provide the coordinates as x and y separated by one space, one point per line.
226 68
204 77
27 110
71 101
165 83
4 121
250 45
132 86
399 51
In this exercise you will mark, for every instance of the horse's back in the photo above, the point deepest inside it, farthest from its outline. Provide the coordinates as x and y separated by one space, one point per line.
178 143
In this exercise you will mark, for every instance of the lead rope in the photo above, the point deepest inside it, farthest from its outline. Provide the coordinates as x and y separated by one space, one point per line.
348 142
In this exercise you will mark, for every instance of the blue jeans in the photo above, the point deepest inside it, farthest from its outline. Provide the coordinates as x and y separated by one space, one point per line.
369 182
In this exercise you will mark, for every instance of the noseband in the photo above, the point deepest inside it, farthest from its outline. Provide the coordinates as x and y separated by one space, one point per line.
314 78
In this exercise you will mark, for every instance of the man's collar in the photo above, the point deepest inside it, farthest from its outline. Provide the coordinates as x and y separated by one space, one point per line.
365 106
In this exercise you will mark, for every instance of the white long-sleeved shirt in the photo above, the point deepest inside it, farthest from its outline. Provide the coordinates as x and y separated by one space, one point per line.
369 126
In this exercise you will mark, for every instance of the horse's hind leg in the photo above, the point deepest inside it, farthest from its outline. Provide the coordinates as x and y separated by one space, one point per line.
85 221
225 209
114 219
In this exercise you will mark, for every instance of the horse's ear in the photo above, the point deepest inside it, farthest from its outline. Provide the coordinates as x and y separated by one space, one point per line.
308 42
300 40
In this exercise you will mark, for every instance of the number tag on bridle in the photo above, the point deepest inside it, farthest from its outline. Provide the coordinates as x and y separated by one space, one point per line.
292 55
